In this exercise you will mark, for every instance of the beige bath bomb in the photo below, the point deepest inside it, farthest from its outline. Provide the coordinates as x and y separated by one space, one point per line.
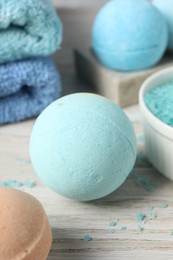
24 230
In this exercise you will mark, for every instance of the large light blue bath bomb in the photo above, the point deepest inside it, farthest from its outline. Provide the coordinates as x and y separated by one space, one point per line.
129 35
83 146
166 8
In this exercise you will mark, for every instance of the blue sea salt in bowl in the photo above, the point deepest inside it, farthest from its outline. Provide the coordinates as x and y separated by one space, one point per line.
156 105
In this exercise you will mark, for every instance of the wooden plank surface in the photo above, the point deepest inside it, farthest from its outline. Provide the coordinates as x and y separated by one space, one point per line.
71 220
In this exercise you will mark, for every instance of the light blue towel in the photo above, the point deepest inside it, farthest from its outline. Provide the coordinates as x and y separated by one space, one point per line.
28 28
26 88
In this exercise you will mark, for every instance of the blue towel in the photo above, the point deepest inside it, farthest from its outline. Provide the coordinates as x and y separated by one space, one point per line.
28 28
26 88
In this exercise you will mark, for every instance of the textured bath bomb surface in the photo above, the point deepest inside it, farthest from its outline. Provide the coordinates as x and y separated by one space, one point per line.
166 9
25 232
129 35
83 146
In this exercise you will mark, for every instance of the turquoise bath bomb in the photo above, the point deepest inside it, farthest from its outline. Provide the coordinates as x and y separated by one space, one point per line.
166 9
83 146
129 35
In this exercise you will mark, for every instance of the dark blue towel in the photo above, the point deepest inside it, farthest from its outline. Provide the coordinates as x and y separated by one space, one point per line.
26 88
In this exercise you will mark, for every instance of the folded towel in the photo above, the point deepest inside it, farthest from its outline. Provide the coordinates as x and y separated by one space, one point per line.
26 88
28 28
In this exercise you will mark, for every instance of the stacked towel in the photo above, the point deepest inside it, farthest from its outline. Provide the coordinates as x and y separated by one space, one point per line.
28 28
29 81
26 88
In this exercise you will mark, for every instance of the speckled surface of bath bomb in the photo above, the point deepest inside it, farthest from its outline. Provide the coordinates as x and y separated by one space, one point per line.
129 35
83 146
166 9
25 232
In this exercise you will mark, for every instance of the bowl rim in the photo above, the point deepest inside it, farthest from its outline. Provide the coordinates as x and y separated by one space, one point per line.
159 126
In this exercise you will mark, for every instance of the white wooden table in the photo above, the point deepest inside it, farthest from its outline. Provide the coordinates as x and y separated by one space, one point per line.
71 220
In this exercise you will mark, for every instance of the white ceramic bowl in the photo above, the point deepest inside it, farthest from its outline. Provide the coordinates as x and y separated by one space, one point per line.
158 135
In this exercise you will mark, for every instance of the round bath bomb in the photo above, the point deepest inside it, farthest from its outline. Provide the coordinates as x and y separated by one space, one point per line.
166 9
129 35
83 146
24 228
